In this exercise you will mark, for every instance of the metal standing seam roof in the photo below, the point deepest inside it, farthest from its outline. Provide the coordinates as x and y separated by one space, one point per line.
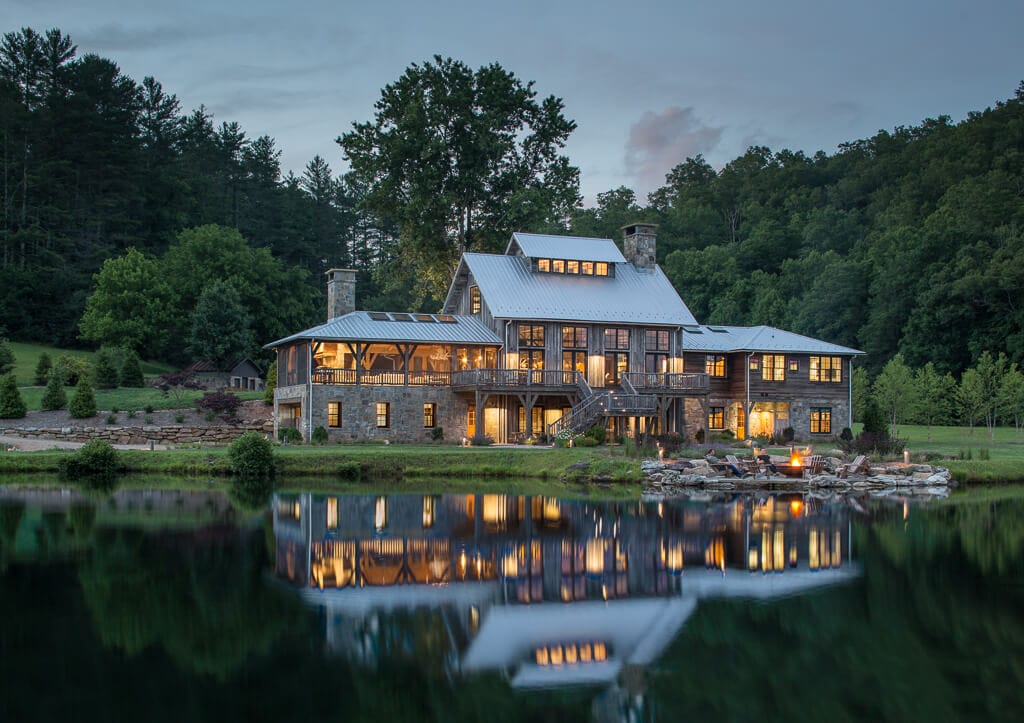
513 291
757 338
572 248
358 326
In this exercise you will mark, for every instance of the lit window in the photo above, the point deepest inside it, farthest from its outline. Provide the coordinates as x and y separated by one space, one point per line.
755 363
826 369
601 269
383 415
773 368
332 513
716 418
794 365
587 268
429 414
821 420
714 365
572 267
333 414
544 265
557 266
474 300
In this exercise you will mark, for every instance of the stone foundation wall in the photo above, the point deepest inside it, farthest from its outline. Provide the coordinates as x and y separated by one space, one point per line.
359 412
142 435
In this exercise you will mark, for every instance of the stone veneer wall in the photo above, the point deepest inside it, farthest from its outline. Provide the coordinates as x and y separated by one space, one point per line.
799 415
359 412
141 435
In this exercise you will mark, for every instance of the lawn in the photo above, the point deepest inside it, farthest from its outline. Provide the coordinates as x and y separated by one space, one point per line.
130 399
26 356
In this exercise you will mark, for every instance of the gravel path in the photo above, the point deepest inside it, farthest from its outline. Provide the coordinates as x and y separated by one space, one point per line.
34 444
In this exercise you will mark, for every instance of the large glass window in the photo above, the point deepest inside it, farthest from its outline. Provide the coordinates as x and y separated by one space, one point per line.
383 415
714 365
616 354
826 369
821 420
600 269
574 348
333 414
773 368
531 346
716 418
429 415
656 343
474 300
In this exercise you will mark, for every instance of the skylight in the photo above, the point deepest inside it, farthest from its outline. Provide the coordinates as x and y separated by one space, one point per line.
378 316
400 317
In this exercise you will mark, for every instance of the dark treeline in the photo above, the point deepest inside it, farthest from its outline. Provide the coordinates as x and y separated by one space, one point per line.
909 241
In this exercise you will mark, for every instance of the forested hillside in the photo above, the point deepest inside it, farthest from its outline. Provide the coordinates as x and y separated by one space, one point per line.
908 241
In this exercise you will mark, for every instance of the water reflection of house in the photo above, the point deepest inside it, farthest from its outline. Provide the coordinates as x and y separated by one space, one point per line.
553 592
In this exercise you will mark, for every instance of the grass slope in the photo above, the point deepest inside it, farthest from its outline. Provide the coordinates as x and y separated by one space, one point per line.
126 399
26 356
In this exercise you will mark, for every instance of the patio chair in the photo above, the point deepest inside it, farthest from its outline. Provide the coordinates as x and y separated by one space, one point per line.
814 464
858 466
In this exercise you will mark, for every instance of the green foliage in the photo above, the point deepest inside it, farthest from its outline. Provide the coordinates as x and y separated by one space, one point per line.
481 440
6 357
251 455
131 371
220 329
935 396
96 461
971 398
319 436
874 419
104 372
437 434
54 397
12 406
71 369
43 367
460 158
271 385
83 401
111 419
895 391
289 435
597 433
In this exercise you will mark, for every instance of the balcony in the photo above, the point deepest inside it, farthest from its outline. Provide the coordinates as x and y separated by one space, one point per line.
510 379
669 382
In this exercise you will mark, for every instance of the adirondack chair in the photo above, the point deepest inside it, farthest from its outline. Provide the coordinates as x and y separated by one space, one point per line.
858 466
813 464
747 464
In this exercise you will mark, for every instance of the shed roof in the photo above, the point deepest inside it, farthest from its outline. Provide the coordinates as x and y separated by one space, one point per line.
513 291
756 338
362 326
573 248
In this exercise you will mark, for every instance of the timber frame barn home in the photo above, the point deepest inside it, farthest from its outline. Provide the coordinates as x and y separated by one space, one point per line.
558 333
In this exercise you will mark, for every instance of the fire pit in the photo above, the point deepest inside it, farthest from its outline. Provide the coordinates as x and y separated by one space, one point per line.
795 468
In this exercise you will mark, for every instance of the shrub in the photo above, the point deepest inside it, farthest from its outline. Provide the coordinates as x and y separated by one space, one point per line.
111 419
788 435
846 434
54 397
6 357
983 454
289 435
71 369
95 459
699 436
670 442
179 418
222 403
268 393
319 436
104 372
149 409
147 419
481 440
83 402
209 415
586 441
175 384
131 371
437 434
874 419
251 455
132 414
12 406
872 443
597 433
43 367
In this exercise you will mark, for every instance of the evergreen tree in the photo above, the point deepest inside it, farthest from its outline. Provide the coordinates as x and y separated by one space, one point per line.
874 418
221 329
12 406
54 397
43 367
83 402
268 393
104 371
131 371
6 357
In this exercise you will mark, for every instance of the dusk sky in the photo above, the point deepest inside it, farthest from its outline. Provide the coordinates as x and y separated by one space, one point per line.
648 83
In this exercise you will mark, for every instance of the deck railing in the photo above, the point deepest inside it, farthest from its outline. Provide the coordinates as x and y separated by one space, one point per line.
345 377
681 381
514 378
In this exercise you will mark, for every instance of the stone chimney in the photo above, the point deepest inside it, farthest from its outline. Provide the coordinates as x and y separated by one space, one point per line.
640 244
341 292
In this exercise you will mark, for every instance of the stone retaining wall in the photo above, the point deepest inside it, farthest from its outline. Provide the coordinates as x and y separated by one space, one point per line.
169 435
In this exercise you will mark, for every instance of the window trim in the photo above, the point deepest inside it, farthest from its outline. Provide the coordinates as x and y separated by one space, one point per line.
711 364
475 304
819 374
429 415
386 416
336 414
824 415
716 414
773 367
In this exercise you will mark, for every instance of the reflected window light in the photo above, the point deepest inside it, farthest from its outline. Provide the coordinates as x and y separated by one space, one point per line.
556 655
600 652
429 503
570 655
474 620
380 513
332 513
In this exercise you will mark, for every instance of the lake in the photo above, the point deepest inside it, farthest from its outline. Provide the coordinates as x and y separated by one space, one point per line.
170 606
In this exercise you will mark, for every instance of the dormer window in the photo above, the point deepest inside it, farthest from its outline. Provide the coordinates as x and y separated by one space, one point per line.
587 268
600 269
557 266
544 265
572 267
474 300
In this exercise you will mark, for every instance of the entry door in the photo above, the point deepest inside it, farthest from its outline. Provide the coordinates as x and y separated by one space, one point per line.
471 421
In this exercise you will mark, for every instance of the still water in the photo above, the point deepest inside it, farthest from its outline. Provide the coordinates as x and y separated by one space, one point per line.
171 606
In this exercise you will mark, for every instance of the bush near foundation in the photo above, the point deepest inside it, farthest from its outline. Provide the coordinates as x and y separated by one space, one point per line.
251 455
222 403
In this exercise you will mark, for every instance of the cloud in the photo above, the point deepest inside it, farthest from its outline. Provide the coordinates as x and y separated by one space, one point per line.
660 141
